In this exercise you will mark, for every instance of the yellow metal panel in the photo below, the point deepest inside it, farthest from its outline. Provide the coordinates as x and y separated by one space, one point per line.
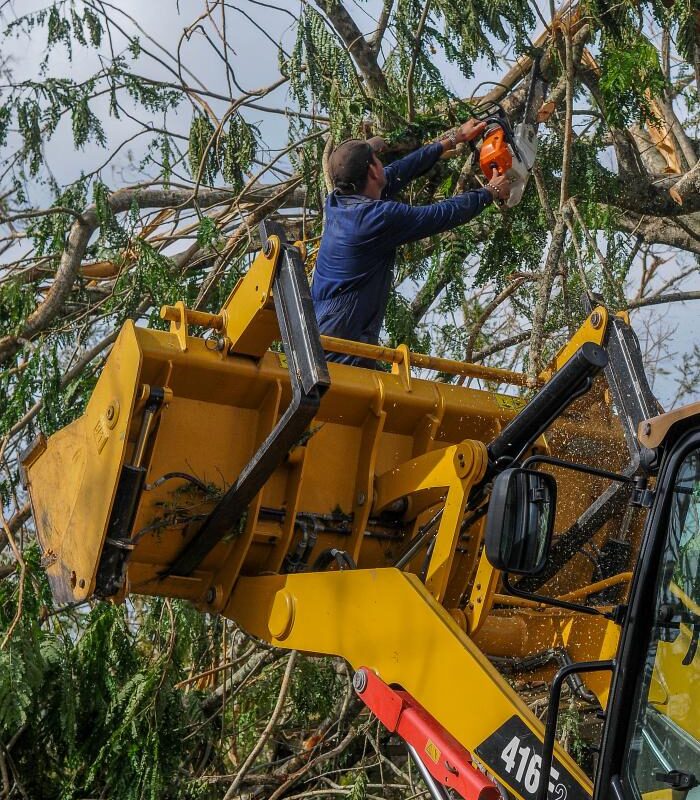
72 484
249 319
482 593
593 330
387 620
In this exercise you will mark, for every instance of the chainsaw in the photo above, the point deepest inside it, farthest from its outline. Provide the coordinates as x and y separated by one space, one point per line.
512 151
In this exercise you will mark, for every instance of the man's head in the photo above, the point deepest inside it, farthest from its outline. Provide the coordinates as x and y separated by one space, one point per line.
355 168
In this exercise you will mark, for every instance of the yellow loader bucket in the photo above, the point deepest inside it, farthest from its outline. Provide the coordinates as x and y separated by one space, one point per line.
201 459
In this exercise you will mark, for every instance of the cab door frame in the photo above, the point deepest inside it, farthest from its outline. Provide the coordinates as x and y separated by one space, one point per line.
636 634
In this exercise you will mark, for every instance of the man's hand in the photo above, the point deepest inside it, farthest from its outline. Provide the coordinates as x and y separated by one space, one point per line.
465 133
471 130
499 186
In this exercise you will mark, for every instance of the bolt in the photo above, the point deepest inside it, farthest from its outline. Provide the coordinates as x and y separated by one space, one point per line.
110 411
268 248
647 428
596 319
359 680
211 595
81 583
220 344
361 497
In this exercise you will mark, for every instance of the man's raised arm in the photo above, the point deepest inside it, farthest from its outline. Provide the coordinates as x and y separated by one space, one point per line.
415 164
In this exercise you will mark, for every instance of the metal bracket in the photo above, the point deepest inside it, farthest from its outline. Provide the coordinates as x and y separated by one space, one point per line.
309 379
626 377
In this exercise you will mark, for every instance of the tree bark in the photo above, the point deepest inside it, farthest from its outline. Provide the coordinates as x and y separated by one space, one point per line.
545 290
683 233
688 186
362 53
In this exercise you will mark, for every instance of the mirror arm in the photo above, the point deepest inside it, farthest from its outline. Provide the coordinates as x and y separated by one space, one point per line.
553 601
558 462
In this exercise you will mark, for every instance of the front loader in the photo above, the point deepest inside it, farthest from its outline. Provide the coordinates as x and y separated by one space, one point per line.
440 538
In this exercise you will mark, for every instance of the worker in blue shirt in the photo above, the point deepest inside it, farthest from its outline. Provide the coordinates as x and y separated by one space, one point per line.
363 226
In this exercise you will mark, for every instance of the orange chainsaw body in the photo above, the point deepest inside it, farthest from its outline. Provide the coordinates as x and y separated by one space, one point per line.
495 153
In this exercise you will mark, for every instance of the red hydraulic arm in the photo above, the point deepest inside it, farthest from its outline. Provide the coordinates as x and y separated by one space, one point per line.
447 761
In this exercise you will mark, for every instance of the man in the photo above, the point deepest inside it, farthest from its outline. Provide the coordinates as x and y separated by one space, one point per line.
363 227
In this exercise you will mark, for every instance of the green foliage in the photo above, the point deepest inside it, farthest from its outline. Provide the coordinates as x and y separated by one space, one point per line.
569 729
314 690
321 73
89 695
306 161
630 74
85 123
254 705
48 233
358 790
206 232
237 151
684 15
35 108
517 244
111 232
401 325
94 699
202 150
153 276
16 302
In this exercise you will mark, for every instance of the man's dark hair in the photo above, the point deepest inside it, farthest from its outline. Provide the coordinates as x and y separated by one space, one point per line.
349 163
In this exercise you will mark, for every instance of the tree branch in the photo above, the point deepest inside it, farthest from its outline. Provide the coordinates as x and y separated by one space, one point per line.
265 735
661 299
78 238
414 58
375 41
544 292
687 186
681 232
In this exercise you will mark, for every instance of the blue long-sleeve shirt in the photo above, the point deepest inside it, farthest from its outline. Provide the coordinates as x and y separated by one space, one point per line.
354 266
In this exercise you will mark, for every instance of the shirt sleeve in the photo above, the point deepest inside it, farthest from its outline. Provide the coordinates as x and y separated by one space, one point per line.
415 164
406 223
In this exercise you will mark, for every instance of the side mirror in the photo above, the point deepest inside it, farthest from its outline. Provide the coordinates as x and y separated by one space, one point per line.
521 520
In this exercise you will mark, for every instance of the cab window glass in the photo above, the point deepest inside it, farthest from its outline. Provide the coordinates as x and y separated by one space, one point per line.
665 742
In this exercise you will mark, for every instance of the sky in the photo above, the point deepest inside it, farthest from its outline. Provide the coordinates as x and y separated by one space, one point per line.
256 66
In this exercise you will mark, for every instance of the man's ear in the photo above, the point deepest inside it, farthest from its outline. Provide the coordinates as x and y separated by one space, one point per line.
376 169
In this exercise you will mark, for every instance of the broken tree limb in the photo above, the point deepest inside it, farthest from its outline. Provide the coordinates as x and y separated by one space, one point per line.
687 186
